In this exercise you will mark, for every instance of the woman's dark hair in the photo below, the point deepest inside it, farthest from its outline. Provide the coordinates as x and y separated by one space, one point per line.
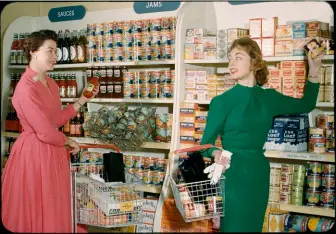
260 69
36 39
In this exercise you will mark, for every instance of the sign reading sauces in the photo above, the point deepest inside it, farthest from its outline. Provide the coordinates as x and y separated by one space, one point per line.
66 13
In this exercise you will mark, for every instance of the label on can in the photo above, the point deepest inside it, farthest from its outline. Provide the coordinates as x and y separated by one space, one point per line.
155 52
314 182
285 198
328 169
328 182
130 161
138 24
314 168
128 78
327 198
144 90
313 197
137 39
166 51
155 77
128 54
148 176
134 91
160 134
166 91
287 168
144 77
154 90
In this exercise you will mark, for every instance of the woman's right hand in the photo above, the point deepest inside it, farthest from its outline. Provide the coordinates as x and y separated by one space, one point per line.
74 145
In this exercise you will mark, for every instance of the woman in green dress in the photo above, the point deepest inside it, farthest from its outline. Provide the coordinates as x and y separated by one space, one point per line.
242 116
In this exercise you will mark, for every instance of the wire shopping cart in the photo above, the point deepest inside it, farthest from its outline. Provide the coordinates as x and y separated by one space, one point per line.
104 204
198 200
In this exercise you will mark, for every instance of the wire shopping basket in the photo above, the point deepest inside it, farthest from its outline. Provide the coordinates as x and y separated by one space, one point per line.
103 204
198 200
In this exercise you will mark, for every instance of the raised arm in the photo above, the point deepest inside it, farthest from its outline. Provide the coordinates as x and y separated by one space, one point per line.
214 125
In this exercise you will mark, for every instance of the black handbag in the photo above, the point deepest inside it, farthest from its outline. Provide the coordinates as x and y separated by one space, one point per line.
114 167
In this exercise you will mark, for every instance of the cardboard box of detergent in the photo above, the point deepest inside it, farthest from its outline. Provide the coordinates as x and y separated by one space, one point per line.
288 134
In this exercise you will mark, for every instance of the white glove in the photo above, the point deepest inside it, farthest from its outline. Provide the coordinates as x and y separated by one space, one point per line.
222 163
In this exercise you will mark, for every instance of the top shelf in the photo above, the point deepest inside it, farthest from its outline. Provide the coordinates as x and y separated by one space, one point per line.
268 59
84 65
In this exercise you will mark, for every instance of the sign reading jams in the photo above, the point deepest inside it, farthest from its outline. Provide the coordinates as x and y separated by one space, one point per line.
66 13
151 7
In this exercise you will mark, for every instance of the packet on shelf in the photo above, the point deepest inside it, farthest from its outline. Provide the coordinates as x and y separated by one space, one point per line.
190 94
200 116
236 33
284 32
201 95
298 46
267 46
300 83
283 47
288 84
268 26
274 80
255 26
210 54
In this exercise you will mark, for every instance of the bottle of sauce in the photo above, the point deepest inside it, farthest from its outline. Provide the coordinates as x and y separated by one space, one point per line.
75 85
93 83
118 83
73 127
12 85
62 90
109 82
60 47
78 125
57 79
68 85
81 47
14 48
73 47
66 47
66 127
102 83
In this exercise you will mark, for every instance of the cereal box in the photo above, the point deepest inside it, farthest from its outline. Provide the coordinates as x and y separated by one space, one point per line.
299 26
255 28
298 46
210 53
299 34
287 73
283 47
288 84
267 45
269 26
284 32
209 42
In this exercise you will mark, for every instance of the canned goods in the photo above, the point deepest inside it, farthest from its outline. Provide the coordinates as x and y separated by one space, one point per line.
313 197
118 54
148 176
156 25
160 134
329 93
299 169
134 91
128 26
165 23
327 198
156 178
275 176
317 146
138 52
129 161
146 39
274 194
287 168
285 188
297 223
155 52
92 42
99 29
317 133
127 40
155 77
91 29
128 54
298 181
101 56
328 170
137 39
314 168
166 52
314 182
276 219
137 27
140 174
328 182
128 78
140 162
92 56
286 178
166 91
316 224
154 90
161 120
285 198
144 90
118 40
144 77
166 38
297 195
160 164
119 27
148 52
109 28
165 77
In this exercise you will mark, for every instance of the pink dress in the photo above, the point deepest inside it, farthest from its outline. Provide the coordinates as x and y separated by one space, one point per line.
36 179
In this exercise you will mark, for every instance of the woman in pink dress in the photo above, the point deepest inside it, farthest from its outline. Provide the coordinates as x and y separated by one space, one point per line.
36 179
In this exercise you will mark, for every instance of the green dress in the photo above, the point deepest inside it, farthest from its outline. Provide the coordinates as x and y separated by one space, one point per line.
242 117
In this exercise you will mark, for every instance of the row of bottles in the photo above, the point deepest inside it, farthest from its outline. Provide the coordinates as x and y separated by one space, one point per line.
17 55
71 46
73 127
67 84
15 77
110 80
12 121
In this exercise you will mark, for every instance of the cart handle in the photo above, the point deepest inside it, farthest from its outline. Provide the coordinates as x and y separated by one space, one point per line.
193 148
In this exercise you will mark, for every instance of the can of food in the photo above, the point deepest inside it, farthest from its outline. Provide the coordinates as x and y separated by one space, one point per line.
297 192
318 224
154 90
91 29
140 162
286 178
320 96
166 91
287 168
92 56
138 52
128 26
314 182
146 39
299 169
317 133
328 170
285 198
274 194
172 23
146 25
160 164
328 182
161 120
298 181
148 52
275 221
140 174
144 77
128 78
215 204
129 161
172 75
165 77
118 54
165 23
134 91
127 91
148 176
108 28
155 52
128 54
127 40
137 27
160 134
313 197
297 198
296 223
285 188
99 29
329 93
144 91
166 52
101 55
108 55
327 198
155 77
137 39
119 27
317 146
314 168
156 178
275 176
156 25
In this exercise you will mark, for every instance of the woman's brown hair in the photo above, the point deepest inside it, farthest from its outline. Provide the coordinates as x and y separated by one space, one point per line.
36 39
260 69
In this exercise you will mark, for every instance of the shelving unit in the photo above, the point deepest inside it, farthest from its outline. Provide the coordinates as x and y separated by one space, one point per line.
308 210
304 156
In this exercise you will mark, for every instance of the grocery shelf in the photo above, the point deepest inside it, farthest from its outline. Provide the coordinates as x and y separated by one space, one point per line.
268 59
84 65
300 156
148 188
198 102
325 104
88 140
327 212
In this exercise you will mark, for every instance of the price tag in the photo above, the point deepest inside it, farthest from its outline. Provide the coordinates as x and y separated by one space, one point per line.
126 206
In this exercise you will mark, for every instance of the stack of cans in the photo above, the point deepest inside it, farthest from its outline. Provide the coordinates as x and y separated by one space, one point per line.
298 185
286 178
313 184
274 191
163 127
328 186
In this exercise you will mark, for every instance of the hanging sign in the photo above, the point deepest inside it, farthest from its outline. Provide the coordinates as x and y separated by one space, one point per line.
66 13
152 7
